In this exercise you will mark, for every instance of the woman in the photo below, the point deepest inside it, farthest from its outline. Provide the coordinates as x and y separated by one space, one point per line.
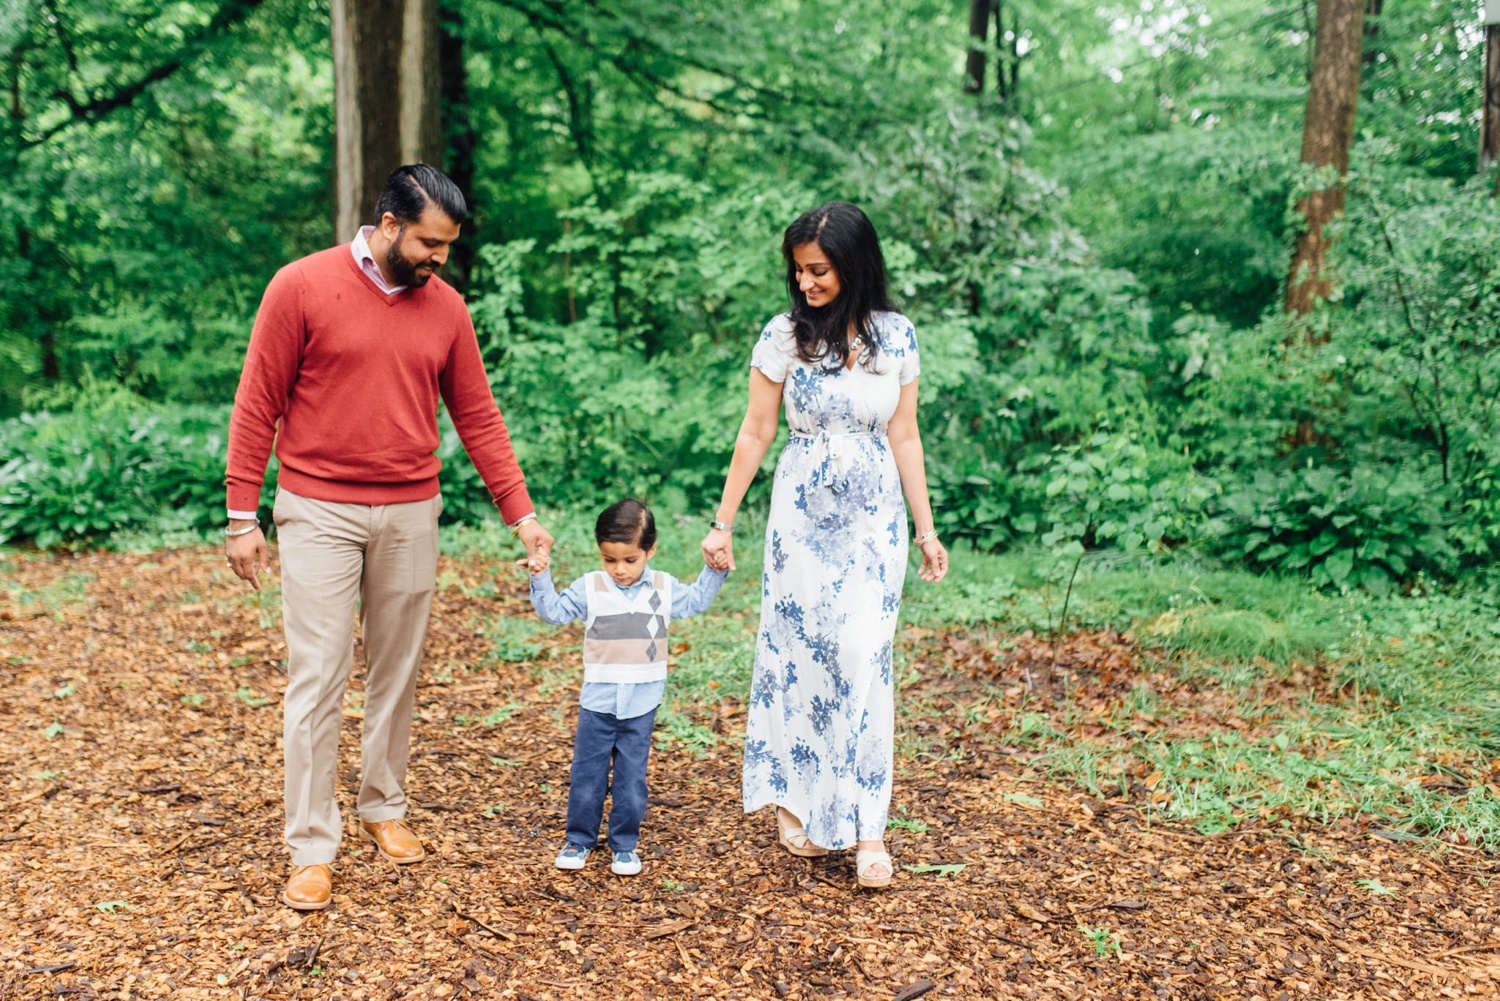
818 743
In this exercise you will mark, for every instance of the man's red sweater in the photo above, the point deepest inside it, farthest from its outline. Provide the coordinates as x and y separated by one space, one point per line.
353 377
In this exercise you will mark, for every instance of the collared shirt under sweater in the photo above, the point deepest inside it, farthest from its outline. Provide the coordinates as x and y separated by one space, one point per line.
625 701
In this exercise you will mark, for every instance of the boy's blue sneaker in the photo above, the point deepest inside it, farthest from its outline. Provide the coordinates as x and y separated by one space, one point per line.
573 856
625 864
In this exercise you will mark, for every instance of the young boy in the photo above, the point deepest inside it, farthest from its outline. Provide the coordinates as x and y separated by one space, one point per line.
626 607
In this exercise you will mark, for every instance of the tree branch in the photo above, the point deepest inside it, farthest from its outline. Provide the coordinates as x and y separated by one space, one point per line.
552 16
97 106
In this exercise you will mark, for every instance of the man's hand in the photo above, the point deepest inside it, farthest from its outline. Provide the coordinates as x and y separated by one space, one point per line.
247 554
538 543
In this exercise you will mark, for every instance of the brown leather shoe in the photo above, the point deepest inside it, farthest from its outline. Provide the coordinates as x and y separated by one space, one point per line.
309 888
394 840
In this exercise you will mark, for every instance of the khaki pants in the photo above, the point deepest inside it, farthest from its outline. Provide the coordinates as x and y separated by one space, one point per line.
333 556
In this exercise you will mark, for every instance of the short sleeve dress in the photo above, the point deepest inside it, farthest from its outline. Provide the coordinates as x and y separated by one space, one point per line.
819 729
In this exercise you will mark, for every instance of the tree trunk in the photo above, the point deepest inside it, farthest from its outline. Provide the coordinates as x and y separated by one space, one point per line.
979 29
1007 54
1326 136
459 139
1489 125
387 100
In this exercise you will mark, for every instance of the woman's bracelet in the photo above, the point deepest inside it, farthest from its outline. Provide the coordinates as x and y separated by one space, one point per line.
723 527
925 538
515 530
235 533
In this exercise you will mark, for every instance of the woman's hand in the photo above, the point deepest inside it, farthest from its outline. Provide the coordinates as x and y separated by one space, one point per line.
934 560
718 549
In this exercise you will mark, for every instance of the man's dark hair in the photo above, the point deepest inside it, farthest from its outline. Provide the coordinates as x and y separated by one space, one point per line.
413 187
628 521
845 235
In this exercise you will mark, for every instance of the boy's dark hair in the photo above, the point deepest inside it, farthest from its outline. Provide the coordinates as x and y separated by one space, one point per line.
411 188
626 521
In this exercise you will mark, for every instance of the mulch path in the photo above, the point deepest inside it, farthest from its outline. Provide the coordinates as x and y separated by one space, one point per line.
140 851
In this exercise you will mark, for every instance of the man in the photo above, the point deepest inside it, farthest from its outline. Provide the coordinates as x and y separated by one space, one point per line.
350 353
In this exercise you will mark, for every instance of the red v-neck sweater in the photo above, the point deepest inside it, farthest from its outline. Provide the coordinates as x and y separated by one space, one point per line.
354 377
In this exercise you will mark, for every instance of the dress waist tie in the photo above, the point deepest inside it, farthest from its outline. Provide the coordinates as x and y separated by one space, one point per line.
831 454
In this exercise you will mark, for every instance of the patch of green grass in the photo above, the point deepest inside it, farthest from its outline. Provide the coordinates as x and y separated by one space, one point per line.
514 640
172 529
493 718
950 869
65 589
718 660
247 695
1400 691
678 727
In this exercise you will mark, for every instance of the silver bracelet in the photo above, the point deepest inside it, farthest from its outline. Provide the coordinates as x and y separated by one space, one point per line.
723 527
925 538
234 533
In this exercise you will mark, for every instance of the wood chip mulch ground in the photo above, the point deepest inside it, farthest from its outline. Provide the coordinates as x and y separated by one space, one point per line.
140 851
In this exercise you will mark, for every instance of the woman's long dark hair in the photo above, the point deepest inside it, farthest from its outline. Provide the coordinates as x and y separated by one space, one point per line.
849 241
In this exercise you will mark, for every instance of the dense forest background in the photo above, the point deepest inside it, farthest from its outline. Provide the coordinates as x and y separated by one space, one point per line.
1091 213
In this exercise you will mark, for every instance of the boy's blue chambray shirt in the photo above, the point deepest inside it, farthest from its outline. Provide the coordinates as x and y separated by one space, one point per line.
630 700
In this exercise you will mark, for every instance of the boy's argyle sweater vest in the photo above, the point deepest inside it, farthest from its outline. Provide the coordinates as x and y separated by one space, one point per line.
625 638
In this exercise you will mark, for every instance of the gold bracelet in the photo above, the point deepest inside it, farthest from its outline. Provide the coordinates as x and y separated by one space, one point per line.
515 530
925 538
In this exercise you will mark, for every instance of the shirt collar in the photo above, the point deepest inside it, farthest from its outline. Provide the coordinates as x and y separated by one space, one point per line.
360 246
644 578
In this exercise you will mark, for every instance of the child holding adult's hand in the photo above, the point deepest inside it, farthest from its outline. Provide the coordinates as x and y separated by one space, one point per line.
626 607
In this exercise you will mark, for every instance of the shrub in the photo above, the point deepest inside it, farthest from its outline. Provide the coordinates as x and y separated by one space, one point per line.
1371 528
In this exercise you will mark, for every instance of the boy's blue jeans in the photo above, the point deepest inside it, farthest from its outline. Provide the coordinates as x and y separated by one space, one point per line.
604 741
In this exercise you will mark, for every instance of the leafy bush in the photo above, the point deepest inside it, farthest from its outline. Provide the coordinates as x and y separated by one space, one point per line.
70 480
1370 528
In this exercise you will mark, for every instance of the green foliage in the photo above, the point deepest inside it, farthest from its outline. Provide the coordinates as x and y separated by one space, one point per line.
1368 529
71 480
1097 248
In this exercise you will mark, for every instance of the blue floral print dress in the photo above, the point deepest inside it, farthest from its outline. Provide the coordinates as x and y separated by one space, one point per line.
821 718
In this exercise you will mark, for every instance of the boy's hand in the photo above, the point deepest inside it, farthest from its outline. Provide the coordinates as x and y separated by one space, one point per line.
539 561
538 543
718 550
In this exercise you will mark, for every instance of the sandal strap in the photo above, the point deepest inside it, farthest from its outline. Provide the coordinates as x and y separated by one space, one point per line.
865 860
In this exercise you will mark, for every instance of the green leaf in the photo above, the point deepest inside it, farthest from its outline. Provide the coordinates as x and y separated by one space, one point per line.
942 870
1339 565
1323 543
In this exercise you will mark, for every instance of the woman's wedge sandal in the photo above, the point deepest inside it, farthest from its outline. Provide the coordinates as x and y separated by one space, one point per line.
796 841
867 866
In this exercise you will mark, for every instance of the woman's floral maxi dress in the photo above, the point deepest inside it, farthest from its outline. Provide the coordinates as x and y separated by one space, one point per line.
819 728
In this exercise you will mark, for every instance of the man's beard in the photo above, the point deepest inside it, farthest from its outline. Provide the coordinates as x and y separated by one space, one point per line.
403 270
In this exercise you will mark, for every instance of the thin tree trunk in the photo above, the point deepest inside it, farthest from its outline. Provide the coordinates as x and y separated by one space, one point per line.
1007 54
460 140
979 28
1327 134
387 100
1489 124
